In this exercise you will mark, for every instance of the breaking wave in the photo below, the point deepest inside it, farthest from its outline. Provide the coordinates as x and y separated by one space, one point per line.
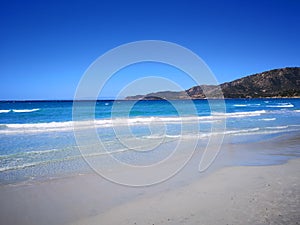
24 110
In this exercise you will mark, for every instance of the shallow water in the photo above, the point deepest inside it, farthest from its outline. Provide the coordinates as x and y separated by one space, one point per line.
37 138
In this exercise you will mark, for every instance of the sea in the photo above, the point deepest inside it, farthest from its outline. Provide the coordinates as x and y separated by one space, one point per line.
38 138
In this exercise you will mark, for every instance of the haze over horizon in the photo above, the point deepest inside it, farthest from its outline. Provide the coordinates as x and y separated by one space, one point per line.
47 46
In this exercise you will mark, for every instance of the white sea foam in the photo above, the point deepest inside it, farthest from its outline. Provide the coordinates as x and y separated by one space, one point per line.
277 127
24 110
38 163
153 137
4 110
260 132
249 131
239 105
268 119
246 105
21 154
227 132
173 136
41 125
36 127
252 131
240 114
23 166
104 123
242 131
281 105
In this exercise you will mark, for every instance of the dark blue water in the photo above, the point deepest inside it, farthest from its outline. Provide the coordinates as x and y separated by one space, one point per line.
37 137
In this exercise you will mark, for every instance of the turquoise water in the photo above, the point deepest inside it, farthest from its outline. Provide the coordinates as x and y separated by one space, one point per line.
37 138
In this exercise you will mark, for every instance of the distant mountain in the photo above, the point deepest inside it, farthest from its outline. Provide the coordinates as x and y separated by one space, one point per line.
284 82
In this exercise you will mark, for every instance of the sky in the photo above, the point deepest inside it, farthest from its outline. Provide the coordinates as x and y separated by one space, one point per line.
46 46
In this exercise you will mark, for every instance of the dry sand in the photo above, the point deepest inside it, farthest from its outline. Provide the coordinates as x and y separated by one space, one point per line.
236 195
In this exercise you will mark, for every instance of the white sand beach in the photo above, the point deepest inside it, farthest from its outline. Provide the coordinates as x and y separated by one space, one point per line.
236 195
231 195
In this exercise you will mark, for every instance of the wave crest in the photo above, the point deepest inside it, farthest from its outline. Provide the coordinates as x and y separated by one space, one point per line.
24 110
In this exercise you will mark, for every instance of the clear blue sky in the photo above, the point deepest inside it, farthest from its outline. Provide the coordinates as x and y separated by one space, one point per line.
45 46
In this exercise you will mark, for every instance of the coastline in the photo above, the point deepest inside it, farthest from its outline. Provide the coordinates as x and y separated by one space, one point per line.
150 113
181 99
111 99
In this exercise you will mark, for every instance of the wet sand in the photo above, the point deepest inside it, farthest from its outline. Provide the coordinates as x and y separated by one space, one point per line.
230 195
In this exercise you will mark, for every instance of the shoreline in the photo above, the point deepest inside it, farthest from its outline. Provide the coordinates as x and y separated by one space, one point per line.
217 196
241 150
230 195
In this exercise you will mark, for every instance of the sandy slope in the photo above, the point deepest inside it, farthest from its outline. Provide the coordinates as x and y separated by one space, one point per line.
236 195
